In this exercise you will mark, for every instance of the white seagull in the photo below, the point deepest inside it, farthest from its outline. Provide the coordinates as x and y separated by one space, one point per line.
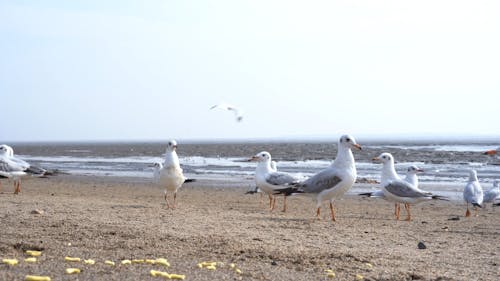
493 194
237 112
169 175
473 193
268 179
411 177
398 190
332 182
15 168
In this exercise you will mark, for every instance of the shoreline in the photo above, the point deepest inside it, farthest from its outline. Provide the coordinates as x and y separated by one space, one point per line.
115 219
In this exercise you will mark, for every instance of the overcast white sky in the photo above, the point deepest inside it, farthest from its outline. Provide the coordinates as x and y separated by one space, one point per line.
150 70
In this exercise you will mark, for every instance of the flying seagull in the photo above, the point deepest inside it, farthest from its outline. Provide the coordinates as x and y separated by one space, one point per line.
237 112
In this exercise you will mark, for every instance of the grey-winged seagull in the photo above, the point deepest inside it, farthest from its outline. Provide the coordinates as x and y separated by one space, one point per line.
332 182
492 194
169 174
398 190
473 193
15 168
411 177
268 179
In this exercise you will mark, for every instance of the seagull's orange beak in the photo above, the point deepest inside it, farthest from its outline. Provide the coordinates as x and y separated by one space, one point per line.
253 159
357 146
490 152
376 159
420 170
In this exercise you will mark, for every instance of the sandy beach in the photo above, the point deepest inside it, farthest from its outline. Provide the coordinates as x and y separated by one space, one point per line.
115 219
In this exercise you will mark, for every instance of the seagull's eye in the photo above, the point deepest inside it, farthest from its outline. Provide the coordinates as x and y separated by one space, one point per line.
348 140
383 157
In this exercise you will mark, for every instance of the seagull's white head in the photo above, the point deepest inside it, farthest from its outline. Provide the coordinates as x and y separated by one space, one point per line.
263 156
349 142
4 149
472 175
414 170
384 158
171 145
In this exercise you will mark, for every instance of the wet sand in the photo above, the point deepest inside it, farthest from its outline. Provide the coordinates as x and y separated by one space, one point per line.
116 219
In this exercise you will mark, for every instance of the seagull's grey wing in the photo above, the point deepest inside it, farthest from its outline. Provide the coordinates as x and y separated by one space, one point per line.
280 178
323 180
404 189
491 195
6 165
20 162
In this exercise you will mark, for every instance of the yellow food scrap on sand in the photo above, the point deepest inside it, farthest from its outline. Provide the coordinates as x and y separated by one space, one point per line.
162 262
10 261
32 259
232 265
208 263
126 262
89 261
238 271
71 259
211 267
369 265
72 270
331 274
36 278
328 270
137 261
33 253
150 261
108 262
155 273
178 276
359 277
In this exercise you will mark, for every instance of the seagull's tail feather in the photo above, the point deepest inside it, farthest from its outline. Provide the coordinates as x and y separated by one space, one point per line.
367 194
496 204
288 191
439 197
477 205
189 180
36 171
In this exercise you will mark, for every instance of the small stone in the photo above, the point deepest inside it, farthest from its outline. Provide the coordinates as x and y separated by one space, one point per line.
274 263
37 212
421 245
454 218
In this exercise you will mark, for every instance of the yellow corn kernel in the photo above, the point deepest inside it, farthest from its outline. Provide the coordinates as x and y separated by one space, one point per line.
33 253
89 261
36 278
72 270
328 270
331 275
238 271
208 263
10 261
359 277
178 276
369 265
32 259
162 262
71 259
138 261
232 265
108 262
126 262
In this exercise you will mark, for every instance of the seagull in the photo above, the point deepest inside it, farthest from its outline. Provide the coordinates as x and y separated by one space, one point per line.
268 179
169 174
237 112
473 193
398 190
491 195
332 182
411 177
15 168
257 189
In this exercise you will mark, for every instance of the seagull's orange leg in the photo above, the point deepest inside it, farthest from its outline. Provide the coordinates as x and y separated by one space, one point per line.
398 210
270 202
318 213
408 215
166 200
175 196
332 211
284 203
467 213
17 185
261 199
